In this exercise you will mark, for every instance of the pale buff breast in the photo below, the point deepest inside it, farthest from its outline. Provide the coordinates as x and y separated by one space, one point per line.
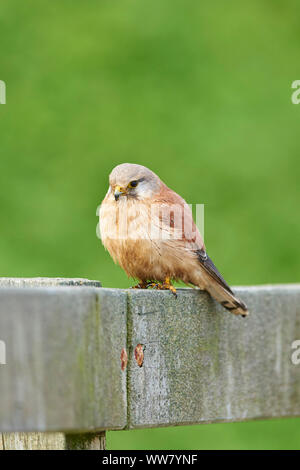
128 232
125 233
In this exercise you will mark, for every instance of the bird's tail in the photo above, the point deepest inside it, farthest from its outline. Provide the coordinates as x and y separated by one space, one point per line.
227 299
218 288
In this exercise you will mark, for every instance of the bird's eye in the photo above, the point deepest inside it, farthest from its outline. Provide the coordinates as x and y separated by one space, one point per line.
133 184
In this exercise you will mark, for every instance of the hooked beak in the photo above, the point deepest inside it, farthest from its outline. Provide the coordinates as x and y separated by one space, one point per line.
119 191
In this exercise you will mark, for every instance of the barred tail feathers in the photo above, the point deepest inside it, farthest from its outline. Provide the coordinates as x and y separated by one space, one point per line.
227 299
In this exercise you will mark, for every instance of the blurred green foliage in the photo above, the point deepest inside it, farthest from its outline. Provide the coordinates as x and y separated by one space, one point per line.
200 92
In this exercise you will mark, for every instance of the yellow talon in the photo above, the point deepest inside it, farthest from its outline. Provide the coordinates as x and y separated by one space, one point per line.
168 286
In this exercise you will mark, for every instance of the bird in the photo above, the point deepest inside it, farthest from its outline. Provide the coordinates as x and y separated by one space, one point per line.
148 229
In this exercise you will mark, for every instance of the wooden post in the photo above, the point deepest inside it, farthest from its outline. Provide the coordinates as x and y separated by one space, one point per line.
51 441
47 440
87 441
79 360
32 441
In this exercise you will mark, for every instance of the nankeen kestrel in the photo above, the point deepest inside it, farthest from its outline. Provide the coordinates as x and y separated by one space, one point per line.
149 230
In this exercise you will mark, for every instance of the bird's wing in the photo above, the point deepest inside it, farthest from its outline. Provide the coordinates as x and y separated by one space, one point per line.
175 219
190 234
211 269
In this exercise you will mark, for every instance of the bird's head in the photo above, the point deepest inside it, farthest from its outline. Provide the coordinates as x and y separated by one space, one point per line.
133 181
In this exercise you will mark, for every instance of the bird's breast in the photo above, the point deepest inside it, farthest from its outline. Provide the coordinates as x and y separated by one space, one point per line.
124 220
128 232
125 233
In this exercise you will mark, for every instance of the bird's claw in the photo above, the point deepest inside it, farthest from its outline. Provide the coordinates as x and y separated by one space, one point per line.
163 286
172 289
168 286
155 285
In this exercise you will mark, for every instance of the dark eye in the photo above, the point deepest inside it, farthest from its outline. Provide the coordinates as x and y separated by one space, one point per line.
133 184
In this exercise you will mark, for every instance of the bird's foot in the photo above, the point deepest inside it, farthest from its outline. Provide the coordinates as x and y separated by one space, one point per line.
163 286
155 285
140 285
168 286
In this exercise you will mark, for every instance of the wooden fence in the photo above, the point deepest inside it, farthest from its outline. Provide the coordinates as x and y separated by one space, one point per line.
81 359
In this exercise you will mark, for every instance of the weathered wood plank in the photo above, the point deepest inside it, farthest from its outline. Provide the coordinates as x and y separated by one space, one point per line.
196 363
33 441
202 364
52 441
63 370
47 282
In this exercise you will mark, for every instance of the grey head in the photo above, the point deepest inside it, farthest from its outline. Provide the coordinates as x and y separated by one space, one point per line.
133 181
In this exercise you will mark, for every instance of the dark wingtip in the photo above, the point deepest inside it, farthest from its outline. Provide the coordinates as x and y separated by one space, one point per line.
208 264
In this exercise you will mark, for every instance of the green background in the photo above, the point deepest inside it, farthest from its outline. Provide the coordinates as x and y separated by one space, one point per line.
200 93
